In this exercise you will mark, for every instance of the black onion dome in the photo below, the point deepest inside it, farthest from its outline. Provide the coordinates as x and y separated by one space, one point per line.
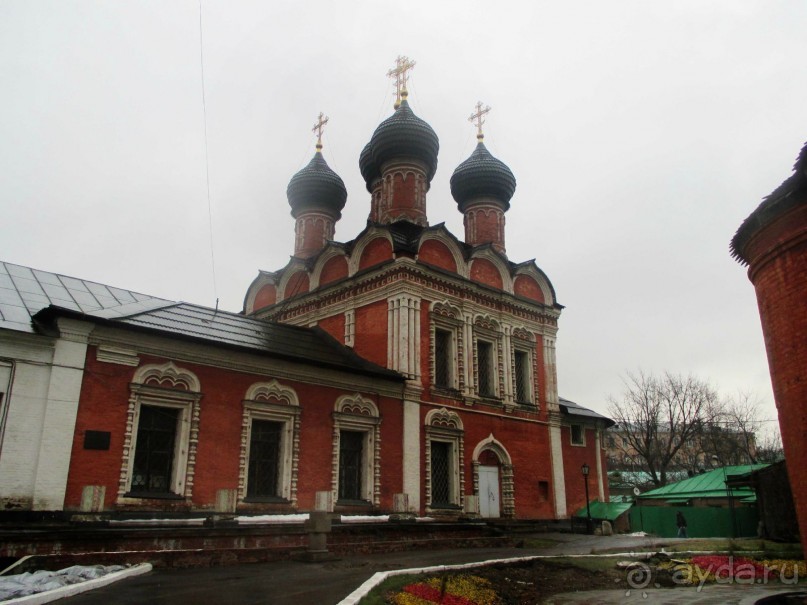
369 169
482 175
404 135
316 187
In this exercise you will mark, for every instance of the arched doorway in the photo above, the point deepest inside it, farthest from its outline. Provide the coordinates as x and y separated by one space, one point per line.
489 486
493 479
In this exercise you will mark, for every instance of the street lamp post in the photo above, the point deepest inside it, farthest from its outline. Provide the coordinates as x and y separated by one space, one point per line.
585 469
730 496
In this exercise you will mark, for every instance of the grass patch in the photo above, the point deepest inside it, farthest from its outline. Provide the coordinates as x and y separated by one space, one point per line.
587 563
760 547
391 584
538 543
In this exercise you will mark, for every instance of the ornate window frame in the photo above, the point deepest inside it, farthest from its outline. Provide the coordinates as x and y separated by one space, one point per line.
446 426
357 413
169 386
448 318
488 330
577 442
277 403
508 496
523 341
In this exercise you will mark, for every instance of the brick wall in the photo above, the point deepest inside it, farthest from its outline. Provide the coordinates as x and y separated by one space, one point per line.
104 402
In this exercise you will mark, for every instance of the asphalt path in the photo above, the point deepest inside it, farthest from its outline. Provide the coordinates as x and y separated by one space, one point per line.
298 583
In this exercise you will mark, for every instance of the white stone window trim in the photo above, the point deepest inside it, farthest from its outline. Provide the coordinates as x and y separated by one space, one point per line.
448 318
522 341
359 414
186 400
276 403
582 441
488 330
446 426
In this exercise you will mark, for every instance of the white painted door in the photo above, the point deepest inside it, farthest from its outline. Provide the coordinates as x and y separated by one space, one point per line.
489 491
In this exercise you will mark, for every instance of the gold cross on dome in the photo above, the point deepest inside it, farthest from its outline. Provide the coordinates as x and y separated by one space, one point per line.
478 117
400 72
319 127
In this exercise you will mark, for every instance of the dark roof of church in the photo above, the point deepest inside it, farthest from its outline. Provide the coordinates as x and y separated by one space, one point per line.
571 408
790 194
316 186
402 135
31 299
232 330
482 175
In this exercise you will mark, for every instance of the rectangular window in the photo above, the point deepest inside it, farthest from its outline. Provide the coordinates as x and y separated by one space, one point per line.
577 435
522 368
484 352
264 459
351 446
441 473
154 452
443 359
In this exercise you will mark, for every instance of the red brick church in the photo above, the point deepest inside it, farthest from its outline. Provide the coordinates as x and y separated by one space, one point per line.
402 370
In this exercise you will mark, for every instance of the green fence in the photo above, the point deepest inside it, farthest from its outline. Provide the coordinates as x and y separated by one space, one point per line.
702 522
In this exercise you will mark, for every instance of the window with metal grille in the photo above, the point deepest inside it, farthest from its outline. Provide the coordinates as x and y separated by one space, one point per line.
577 435
264 458
154 451
484 353
351 444
441 483
442 359
522 367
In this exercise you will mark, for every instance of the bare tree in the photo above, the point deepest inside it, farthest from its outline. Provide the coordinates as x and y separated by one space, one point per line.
731 435
769 448
659 417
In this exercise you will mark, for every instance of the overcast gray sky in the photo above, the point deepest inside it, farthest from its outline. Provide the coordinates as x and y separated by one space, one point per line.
641 134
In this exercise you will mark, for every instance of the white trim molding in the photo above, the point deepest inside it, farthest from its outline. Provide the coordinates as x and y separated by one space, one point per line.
359 414
272 402
169 386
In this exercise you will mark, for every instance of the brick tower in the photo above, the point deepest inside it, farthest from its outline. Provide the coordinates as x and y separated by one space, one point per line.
772 241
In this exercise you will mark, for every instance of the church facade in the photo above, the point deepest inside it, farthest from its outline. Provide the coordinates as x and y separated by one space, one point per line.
405 370
472 332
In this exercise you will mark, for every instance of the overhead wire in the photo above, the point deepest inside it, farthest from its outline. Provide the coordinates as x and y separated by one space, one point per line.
207 158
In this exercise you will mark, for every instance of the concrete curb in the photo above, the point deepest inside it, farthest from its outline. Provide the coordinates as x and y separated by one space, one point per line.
378 577
74 589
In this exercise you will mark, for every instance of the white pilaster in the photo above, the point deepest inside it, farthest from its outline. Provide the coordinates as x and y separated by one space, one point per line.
411 453
550 368
56 442
507 356
468 338
598 445
403 347
558 479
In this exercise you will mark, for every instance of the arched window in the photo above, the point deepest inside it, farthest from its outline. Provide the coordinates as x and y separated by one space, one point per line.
270 443
356 455
445 481
161 434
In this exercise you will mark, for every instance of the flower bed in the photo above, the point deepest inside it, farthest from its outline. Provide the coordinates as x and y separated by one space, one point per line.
448 590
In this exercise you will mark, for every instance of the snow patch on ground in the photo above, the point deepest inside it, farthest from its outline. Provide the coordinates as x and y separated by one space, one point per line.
149 522
303 517
28 583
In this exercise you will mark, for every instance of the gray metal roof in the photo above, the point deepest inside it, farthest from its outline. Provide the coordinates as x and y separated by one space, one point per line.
30 301
574 409
25 291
